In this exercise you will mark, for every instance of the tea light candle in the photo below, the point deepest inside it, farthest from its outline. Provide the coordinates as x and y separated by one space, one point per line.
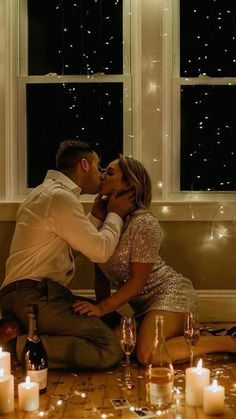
6 392
5 362
28 394
196 379
213 399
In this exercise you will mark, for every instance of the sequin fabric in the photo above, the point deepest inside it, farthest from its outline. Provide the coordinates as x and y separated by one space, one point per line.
165 289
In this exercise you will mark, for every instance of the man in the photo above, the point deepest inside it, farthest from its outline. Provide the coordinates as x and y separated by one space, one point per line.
50 223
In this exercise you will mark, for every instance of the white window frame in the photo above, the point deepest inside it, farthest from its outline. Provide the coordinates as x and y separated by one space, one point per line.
155 127
17 10
173 109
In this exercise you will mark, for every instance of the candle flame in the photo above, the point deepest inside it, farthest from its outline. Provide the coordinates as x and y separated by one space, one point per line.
199 364
27 381
1 372
214 384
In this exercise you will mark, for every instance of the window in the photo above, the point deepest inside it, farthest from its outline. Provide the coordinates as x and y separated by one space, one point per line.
204 85
74 80
153 100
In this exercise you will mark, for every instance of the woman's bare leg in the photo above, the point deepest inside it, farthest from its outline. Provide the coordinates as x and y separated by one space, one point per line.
179 351
176 344
173 326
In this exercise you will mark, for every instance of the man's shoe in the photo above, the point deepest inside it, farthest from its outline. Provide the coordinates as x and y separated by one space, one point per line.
10 328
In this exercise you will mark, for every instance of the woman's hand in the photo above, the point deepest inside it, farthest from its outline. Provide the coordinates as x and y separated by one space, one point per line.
87 309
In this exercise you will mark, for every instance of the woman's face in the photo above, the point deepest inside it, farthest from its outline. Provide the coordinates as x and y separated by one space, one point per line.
111 179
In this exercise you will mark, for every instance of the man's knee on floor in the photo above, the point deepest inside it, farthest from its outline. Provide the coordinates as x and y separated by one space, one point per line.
111 358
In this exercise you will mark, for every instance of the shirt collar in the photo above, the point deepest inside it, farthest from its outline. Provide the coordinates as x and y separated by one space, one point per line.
56 175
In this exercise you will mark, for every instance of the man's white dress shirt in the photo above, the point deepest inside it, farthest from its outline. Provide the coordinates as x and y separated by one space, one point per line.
50 222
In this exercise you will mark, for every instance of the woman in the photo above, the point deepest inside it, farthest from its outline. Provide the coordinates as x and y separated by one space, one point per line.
141 277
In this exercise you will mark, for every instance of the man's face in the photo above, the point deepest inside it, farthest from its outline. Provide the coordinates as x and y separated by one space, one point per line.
112 179
93 178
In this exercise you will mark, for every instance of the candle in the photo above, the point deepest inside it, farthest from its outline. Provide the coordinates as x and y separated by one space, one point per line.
5 362
196 379
6 392
28 394
213 399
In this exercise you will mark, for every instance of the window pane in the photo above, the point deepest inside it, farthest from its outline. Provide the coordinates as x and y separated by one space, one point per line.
208 138
75 36
208 38
87 111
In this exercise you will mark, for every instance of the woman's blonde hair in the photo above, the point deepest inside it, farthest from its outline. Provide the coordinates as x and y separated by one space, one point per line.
135 175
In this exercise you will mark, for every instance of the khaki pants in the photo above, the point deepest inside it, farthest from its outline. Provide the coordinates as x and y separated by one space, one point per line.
71 341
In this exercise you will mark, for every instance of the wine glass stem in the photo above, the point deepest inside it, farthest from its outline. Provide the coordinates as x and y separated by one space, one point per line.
191 357
127 369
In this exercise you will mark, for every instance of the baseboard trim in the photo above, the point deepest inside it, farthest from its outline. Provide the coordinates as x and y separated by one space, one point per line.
218 305
215 305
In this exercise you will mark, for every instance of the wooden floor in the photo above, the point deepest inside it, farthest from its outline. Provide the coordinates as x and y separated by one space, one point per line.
76 394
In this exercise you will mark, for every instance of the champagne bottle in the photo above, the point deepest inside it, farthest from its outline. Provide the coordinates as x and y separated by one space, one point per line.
35 356
160 372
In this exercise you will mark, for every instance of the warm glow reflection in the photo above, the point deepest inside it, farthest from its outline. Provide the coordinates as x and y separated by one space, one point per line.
165 210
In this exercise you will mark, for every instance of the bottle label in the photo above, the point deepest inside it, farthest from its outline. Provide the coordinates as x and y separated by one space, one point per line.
159 394
39 376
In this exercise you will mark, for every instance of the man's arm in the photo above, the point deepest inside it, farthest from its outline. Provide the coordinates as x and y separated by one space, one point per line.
68 220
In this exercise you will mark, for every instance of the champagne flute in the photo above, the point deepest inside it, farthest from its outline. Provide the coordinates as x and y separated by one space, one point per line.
191 332
128 342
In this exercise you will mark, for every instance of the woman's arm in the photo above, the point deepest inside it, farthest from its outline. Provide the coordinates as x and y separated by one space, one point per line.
139 275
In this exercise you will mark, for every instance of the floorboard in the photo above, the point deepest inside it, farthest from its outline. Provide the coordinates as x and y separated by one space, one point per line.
88 394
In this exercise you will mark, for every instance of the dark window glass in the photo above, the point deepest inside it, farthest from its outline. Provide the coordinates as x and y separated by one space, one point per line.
208 38
208 138
75 36
87 111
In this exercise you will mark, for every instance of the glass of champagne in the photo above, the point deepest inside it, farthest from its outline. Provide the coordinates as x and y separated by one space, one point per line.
128 342
191 332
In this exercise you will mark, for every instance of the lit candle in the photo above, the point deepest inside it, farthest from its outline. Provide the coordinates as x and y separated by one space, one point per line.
6 392
28 394
5 362
196 379
213 399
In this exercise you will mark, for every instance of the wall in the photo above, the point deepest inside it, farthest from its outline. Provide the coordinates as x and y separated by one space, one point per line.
185 246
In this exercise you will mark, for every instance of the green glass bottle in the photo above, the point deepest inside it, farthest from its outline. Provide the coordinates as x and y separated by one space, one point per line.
34 355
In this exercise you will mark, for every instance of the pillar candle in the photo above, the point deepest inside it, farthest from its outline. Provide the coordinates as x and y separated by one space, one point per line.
196 379
5 362
213 399
28 394
6 392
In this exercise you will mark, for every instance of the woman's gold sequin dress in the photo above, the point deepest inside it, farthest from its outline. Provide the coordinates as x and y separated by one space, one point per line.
165 289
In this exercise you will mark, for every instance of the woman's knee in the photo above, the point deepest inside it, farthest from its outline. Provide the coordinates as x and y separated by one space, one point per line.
143 354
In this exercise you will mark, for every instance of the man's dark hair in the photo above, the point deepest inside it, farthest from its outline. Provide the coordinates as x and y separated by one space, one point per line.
70 152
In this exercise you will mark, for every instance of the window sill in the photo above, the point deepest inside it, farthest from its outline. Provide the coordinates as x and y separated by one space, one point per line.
194 211
165 211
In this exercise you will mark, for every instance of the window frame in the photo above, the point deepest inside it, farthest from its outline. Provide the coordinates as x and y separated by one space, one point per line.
18 189
156 127
174 108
